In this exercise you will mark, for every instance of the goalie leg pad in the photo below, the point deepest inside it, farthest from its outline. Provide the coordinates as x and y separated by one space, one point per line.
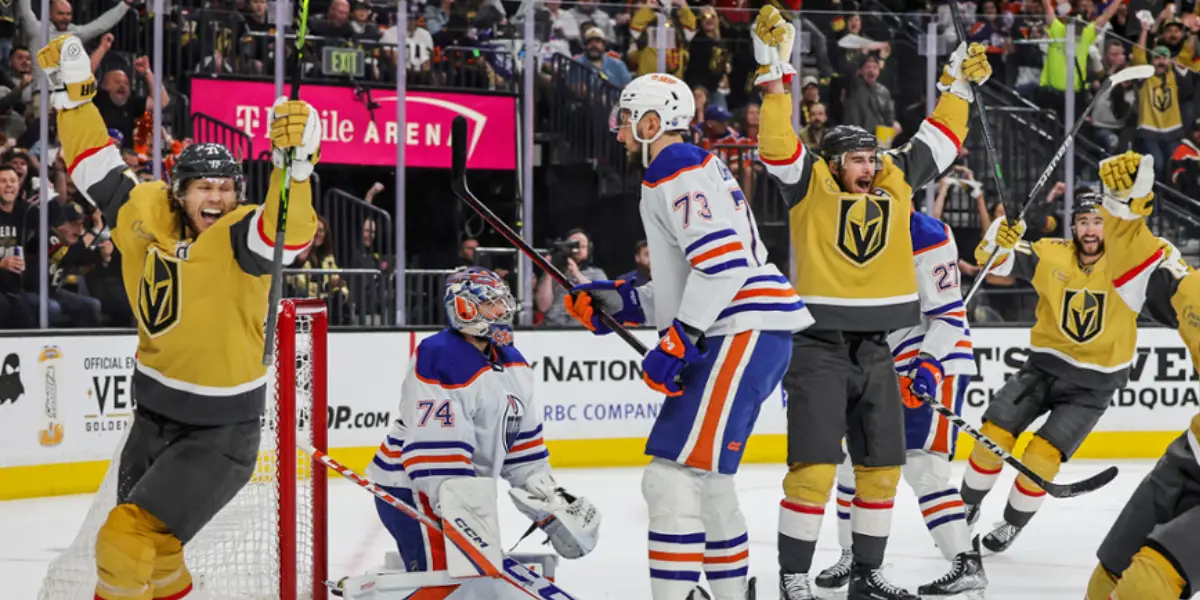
1026 496
928 474
845 499
806 489
125 553
673 495
171 578
469 521
421 548
726 545
1151 576
983 468
871 514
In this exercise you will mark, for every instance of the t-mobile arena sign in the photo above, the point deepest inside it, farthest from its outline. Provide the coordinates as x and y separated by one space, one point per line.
351 136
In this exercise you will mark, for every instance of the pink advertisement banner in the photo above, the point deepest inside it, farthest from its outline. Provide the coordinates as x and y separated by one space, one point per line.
352 137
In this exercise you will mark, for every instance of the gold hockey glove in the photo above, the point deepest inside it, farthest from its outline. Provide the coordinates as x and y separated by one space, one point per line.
1128 184
773 38
69 70
295 125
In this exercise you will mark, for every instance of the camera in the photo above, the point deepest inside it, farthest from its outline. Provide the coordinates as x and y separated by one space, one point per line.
561 250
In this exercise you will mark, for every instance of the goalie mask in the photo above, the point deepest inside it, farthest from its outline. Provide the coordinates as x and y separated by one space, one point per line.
479 304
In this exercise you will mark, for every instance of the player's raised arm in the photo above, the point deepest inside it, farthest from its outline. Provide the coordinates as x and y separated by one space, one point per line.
784 155
93 162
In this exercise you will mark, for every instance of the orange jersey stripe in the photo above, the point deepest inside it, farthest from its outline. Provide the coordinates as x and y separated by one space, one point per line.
941 507
724 560
718 251
420 460
527 445
764 293
388 453
676 556
677 173
701 456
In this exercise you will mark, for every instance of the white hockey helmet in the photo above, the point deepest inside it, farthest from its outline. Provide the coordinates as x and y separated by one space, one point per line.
660 93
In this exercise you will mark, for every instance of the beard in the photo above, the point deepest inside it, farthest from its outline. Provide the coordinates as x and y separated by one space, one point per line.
594 53
1081 246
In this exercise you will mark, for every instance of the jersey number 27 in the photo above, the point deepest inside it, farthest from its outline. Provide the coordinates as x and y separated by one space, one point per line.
946 276
444 412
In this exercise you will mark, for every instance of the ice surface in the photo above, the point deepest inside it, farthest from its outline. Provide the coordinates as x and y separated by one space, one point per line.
1051 560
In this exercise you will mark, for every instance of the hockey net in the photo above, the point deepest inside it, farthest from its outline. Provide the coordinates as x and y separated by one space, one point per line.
269 542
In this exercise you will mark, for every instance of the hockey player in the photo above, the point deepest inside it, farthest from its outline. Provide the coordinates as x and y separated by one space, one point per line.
854 268
1080 350
467 411
1152 551
194 261
932 359
726 317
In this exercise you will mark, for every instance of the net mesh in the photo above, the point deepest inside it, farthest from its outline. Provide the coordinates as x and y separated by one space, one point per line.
237 555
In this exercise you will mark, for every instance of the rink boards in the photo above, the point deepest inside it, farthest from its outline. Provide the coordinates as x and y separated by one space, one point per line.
596 409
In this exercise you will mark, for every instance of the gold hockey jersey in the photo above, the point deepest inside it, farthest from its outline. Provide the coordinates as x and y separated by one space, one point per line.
853 264
200 302
1084 332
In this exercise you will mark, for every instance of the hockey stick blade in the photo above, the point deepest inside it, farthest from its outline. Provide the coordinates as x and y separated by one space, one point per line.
458 168
510 571
1058 490
1131 73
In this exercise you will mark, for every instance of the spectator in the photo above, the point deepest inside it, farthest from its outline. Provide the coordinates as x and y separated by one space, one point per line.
748 123
1053 83
466 252
119 108
60 22
585 12
24 164
810 94
437 14
362 24
1185 164
16 90
992 30
104 283
419 42
335 24
643 27
716 127
700 95
8 28
131 158
257 36
327 286
71 253
15 311
1163 106
596 55
1115 105
709 65
813 134
1183 47
575 264
869 105
640 275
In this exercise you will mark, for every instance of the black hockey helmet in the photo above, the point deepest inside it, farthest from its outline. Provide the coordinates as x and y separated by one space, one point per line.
1086 203
200 161
847 138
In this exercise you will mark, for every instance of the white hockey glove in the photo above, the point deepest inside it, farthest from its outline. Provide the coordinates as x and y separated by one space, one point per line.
968 64
1128 184
773 40
69 70
295 126
572 522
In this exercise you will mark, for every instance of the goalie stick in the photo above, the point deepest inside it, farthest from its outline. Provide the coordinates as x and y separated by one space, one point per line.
276 294
511 571
1126 74
1058 490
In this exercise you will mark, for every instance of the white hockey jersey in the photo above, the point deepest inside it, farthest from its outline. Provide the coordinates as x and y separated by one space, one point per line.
709 263
943 332
462 414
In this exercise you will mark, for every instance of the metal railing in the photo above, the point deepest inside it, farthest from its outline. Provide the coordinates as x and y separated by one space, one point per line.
356 297
581 104
351 220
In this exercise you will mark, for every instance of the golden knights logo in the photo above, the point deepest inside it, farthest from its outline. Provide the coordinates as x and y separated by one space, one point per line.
1083 314
159 295
863 226
1162 97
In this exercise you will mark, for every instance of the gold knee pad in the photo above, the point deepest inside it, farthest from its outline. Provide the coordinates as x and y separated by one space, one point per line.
1043 458
1149 577
171 577
876 483
986 458
809 483
125 551
1101 584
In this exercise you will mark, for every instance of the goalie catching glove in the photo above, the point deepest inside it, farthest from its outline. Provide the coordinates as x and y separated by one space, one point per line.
572 522
295 127
69 69
1128 181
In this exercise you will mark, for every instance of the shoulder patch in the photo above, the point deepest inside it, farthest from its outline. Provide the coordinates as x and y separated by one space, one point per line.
447 360
673 161
927 232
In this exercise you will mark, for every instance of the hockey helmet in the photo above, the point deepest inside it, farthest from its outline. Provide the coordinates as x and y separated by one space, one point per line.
479 303
1086 203
667 96
202 161
847 138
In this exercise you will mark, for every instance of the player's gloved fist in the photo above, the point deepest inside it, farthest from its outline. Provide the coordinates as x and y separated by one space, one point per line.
1007 235
1128 181
773 39
580 304
572 522
664 362
927 376
295 129
69 69
906 394
968 64
1001 238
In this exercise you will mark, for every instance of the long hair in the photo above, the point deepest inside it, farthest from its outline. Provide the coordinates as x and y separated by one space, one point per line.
327 245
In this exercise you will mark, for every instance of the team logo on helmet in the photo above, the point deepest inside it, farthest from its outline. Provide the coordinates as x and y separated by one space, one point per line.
158 306
1083 314
863 226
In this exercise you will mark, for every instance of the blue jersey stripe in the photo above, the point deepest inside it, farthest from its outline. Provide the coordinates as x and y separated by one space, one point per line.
387 466
906 343
761 306
413 447
711 237
441 473
765 278
740 572
530 434
677 538
725 266
529 458
936 495
944 308
676 575
722 544
946 519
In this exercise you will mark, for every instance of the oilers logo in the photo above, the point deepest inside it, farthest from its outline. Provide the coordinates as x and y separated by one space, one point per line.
514 413
1083 314
863 226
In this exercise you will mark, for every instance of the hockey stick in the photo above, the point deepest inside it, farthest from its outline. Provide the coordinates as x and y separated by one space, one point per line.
1058 490
458 145
989 143
511 571
1127 74
276 295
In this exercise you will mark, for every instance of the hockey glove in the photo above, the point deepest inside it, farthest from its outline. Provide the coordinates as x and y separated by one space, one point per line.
69 70
579 304
773 39
906 394
926 377
572 522
675 350
1001 238
295 126
1128 181
968 64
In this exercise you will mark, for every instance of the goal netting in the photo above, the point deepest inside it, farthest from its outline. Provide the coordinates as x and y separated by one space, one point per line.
269 542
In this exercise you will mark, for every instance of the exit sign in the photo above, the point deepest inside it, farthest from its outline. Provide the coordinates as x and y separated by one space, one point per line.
342 62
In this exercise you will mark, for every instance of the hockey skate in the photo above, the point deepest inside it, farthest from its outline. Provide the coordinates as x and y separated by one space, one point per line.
699 593
868 583
966 577
837 576
795 586
971 511
1000 538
